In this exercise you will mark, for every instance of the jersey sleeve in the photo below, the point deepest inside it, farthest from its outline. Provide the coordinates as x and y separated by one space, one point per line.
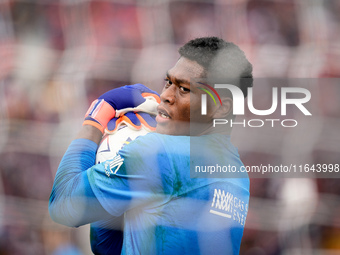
139 175
72 202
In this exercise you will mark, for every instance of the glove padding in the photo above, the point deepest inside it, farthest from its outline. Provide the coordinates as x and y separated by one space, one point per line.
116 102
129 96
134 120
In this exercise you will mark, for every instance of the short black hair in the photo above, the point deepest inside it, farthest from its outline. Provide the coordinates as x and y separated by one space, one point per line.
224 62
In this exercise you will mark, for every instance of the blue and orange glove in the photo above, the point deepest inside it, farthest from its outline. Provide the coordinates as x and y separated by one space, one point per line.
134 120
117 102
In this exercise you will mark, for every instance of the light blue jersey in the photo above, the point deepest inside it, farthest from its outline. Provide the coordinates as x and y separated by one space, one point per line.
165 211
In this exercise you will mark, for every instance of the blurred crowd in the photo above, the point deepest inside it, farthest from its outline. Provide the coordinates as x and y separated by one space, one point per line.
57 56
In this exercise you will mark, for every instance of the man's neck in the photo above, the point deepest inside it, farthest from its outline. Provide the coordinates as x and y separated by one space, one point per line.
221 129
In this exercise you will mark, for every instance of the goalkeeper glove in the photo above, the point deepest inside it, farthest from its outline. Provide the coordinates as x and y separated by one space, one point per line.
134 120
116 102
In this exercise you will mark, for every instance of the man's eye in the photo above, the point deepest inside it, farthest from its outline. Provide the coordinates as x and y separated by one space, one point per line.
167 82
184 89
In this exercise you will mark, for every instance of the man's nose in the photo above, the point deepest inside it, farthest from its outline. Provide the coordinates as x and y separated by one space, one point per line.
169 94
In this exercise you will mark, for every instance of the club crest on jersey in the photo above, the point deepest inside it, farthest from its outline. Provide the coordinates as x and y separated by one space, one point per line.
112 166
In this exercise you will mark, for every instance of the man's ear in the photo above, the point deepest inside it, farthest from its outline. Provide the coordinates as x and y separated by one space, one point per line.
224 110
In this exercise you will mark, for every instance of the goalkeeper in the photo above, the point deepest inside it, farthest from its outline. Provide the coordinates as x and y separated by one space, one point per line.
165 211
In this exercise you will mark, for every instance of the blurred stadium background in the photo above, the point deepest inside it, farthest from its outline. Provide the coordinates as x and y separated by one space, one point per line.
57 56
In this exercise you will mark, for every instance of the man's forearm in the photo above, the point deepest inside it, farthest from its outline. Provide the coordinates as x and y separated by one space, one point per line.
90 133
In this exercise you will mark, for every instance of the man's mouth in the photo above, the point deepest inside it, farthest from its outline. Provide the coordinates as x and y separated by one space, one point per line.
163 113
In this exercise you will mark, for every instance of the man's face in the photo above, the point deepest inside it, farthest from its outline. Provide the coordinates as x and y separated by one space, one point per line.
178 96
